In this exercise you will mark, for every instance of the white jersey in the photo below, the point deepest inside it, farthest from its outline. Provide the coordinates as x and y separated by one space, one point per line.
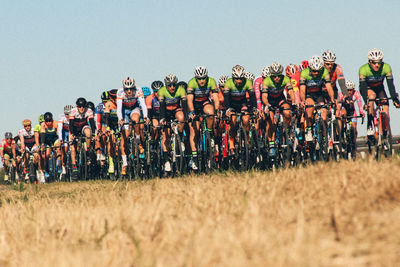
29 137
132 102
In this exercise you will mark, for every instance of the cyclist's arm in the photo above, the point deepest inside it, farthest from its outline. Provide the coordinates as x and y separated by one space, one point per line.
22 139
330 91
392 90
302 92
227 97
190 98
341 80
358 100
216 100
142 104
59 130
14 149
363 85
119 109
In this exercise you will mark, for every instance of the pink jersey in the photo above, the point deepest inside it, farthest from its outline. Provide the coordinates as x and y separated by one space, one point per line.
356 99
257 90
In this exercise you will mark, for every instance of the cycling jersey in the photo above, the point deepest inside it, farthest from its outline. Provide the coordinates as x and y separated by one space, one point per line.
201 93
172 101
295 81
153 104
276 91
7 147
336 74
375 79
63 129
79 121
110 115
28 137
37 128
49 133
237 95
314 85
355 98
128 104
257 91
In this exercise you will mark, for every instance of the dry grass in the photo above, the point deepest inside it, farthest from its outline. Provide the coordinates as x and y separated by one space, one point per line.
343 214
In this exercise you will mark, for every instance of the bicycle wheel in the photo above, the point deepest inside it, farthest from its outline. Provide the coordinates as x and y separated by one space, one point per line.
322 138
337 142
242 150
284 151
178 155
254 149
387 139
209 153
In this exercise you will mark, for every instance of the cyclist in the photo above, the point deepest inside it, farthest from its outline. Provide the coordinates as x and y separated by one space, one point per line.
303 65
273 95
236 91
371 77
249 76
312 79
258 86
49 138
130 107
8 153
202 98
173 105
63 135
81 124
219 128
28 145
348 107
110 124
153 105
293 72
336 74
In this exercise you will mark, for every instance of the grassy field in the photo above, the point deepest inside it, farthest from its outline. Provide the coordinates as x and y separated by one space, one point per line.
344 214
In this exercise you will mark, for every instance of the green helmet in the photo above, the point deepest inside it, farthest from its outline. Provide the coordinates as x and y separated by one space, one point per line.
41 118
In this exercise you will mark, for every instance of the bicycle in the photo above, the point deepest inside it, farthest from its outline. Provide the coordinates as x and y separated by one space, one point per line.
383 143
349 144
335 148
240 159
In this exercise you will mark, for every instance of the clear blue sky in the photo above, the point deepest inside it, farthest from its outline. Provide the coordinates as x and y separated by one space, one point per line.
55 51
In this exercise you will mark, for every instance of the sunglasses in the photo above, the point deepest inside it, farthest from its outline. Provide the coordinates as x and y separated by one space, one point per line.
315 71
274 76
171 85
128 89
80 106
201 79
375 62
329 64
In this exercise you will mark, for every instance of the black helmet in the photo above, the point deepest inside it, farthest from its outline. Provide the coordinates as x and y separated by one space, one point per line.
8 135
48 116
183 84
105 96
90 105
156 85
81 102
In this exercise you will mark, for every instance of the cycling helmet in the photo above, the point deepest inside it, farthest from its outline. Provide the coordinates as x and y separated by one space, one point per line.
67 109
291 70
146 91
48 116
90 105
266 71
183 84
350 84
8 135
316 62
250 76
170 79
222 80
304 65
200 72
81 102
276 68
128 83
156 85
328 55
26 122
237 71
113 93
41 118
375 54
105 96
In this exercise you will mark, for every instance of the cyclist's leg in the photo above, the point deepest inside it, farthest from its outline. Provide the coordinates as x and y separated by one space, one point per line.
371 98
208 109
270 126
179 116
385 105
287 113
87 132
309 114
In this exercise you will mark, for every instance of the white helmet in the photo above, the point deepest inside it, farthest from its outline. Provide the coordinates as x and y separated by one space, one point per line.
249 76
222 80
170 79
237 71
67 109
350 84
316 63
375 54
276 68
128 83
200 72
328 55
266 72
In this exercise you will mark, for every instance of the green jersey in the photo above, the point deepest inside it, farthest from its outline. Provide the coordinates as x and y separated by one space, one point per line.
238 94
314 85
375 79
172 101
276 90
201 94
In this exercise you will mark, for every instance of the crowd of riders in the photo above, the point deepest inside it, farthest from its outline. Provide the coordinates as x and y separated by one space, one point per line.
214 106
